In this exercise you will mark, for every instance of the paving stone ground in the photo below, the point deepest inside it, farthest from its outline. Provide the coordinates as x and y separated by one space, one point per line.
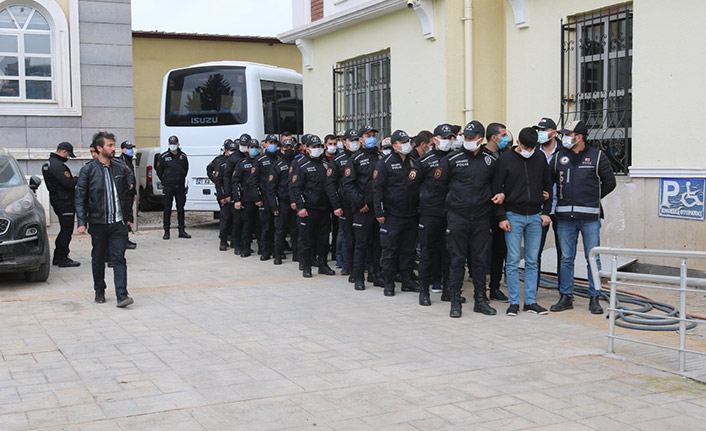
217 342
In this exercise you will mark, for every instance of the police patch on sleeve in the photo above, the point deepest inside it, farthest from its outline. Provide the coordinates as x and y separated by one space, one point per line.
270 178
216 174
375 173
488 160
291 168
252 170
294 179
564 160
67 174
347 172
412 174
437 173
329 172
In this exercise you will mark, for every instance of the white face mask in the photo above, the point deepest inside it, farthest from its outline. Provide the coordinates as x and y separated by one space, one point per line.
406 148
354 146
457 143
173 147
444 145
339 145
316 152
526 154
331 150
243 148
542 136
472 146
386 151
568 142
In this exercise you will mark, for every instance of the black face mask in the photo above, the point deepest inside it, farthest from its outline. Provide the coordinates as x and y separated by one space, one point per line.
289 153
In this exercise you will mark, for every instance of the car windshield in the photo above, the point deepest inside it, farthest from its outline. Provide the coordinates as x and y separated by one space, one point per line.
9 173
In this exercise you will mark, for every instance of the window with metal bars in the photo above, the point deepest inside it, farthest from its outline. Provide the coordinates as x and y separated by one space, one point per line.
596 78
361 93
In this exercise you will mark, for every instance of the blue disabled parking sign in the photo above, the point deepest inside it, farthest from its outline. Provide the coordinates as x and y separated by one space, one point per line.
682 198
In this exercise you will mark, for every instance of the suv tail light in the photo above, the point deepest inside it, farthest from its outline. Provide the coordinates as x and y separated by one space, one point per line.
149 174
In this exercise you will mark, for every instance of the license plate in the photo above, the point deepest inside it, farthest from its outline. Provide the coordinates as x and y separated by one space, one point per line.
202 182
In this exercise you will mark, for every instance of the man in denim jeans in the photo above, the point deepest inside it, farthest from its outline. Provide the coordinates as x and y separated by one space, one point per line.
522 177
583 176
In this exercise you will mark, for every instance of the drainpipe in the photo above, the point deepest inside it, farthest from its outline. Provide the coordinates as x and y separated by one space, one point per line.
467 59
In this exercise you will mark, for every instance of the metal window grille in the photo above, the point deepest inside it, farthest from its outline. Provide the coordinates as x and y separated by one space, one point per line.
596 79
361 93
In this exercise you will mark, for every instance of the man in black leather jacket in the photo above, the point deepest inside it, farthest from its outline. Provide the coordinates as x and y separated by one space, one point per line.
102 202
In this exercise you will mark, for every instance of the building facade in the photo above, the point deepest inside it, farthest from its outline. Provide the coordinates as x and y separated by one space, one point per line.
414 64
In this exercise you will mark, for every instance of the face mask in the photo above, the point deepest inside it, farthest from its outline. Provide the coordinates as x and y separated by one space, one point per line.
370 142
568 142
316 152
456 143
243 148
444 145
289 153
173 147
254 152
542 136
526 154
387 151
130 152
355 146
339 145
503 142
331 150
271 148
406 148
472 146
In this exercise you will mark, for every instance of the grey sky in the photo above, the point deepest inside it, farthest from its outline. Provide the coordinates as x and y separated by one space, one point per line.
233 17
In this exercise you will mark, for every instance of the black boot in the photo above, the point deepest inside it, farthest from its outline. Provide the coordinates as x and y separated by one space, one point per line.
446 295
324 269
371 274
278 258
100 296
306 271
245 252
565 303
389 289
265 256
424 298
54 260
166 234
455 310
183 234
295 256
223 246
498 295
408 284
351 277
378 281
68 263
480 304
594 306
359 279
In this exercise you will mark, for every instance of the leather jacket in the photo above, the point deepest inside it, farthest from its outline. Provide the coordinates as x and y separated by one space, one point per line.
91 196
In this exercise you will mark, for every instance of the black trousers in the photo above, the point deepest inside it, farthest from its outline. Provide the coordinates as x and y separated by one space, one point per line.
286 223
237 226
434 258
249 214
225 220
366 231
545 230
463 236
267 230
335 220
346 223
398 242
313 236
111 239
171 193
66 228
498 253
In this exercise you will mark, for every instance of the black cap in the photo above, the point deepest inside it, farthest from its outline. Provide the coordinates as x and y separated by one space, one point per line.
244 139
305 138
68 147
386 142
575 127
351 134
456 129
271 138
253 143
127 144
366 129
231 145
399 136
289 141
545 123
443 130
473 128
173 139
313 141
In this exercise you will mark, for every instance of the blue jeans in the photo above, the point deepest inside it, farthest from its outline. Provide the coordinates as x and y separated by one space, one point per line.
568 238
528 227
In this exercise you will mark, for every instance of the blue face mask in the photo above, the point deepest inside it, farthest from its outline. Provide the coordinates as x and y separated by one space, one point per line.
503 143
254 152
130 152
271 148
370 142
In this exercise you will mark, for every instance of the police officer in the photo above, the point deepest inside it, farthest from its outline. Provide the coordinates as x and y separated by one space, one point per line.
172 168
396 184
434 258
127 150
215 170
358 187
339 201
231 162
279 201
267 218
307 191
246 194
468 174
583 176
62 188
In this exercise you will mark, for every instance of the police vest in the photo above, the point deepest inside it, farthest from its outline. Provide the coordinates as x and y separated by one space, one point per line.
578 185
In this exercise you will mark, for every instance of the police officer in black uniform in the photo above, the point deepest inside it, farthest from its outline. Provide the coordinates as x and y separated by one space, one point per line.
215 170
396 182
236 219
172 168
246 194
279 201
308 191
468 174
267 218
62 188
127 152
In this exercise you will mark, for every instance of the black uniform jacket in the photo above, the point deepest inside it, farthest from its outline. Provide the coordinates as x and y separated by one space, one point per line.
396 185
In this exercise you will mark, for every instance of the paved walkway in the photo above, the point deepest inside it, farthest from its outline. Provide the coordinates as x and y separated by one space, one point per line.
217 342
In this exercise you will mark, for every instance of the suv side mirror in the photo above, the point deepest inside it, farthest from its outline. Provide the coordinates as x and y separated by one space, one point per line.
34 183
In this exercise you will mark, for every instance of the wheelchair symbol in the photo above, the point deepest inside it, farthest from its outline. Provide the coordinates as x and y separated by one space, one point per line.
690 198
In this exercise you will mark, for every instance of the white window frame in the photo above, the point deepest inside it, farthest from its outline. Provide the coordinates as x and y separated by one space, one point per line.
66 71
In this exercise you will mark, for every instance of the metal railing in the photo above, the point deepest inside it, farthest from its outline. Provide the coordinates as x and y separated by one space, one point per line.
627 279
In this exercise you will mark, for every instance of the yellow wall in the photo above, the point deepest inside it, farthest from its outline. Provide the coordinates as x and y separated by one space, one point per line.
153 58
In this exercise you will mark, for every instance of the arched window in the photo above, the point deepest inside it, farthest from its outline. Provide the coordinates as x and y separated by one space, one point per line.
25 54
